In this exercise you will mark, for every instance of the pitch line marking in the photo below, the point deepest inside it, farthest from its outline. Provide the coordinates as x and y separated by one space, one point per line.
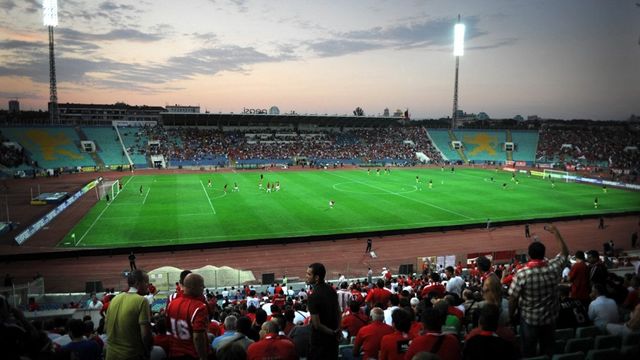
100 215
145 197
208 198
402 196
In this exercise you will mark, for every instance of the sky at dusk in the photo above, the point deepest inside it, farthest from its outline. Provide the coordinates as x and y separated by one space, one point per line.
553 58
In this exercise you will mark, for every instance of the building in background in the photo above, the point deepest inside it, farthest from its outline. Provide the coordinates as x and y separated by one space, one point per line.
14 106
104 114
180 109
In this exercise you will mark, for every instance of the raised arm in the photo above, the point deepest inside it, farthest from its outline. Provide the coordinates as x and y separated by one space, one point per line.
563 246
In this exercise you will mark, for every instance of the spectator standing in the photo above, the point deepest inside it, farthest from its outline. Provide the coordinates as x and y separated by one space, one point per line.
325 315
634 239
579 278
533 295
455 284
128 321
597 270
188 318
132 258
94 303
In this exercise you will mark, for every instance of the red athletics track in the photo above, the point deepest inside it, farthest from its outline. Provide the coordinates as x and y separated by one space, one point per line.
342 256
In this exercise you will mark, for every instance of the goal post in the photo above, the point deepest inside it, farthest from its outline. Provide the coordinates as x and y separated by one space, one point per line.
558 174
111 188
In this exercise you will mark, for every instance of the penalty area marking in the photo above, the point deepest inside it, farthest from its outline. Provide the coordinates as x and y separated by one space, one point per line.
208 198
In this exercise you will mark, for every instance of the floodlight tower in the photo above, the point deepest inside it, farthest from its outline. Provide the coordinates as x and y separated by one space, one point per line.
50 19
458 51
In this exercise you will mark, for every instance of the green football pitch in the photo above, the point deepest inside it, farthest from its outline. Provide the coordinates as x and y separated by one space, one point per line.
183 209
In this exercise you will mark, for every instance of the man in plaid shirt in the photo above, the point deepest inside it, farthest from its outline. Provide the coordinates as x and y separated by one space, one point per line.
533 294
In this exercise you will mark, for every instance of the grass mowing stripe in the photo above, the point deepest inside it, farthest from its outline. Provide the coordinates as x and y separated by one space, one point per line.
208 198
402 196
103 210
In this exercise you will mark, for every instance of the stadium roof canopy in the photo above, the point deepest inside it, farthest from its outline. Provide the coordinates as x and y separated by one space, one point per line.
182 119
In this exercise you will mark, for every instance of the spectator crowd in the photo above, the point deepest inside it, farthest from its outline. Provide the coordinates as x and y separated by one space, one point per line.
475 311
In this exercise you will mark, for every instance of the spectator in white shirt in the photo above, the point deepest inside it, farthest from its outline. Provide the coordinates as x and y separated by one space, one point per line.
456 283
602 310
94 303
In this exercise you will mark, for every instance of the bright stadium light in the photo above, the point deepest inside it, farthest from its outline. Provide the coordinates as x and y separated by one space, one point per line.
458 40
50 12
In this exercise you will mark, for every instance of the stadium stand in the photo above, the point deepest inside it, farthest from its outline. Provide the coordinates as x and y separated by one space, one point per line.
526 143
50 147
441 139
135 140
483 145
108 145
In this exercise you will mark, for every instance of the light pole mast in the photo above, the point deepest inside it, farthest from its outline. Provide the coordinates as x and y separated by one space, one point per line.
458 51
50 19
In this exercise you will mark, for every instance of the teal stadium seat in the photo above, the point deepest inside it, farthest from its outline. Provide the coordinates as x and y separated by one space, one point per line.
543 357
608 341
483 145
565 334
587 332
579 344
578 355
131 141
442 142
559 346
527 144
109 148
603 354
631 338
51 147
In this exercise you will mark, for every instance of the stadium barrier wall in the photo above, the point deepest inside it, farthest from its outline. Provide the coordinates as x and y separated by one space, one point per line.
35 227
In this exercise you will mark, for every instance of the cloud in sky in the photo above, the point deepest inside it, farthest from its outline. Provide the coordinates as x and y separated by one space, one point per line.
423 33
115 34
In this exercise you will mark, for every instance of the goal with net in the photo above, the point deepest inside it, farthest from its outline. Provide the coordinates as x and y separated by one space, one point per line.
558 174
111 188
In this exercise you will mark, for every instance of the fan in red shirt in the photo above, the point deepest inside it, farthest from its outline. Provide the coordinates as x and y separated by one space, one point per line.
271 346
579 277
370 336
378 296
187 320
179 287
354 319
446 346
434 286
395 345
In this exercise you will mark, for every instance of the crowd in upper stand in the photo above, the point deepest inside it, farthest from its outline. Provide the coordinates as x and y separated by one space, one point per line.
399 143
594 144
475 311
9 155
591 145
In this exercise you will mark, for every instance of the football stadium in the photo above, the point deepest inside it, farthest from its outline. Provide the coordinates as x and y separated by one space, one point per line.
510 236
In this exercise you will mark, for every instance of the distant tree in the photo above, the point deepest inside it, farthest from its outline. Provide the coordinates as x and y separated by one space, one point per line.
358 111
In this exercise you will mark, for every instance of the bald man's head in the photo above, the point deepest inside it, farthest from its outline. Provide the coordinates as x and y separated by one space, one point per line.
193 285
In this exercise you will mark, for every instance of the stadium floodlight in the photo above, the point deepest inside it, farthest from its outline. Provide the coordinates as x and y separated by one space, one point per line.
50 12
458 50
458 39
